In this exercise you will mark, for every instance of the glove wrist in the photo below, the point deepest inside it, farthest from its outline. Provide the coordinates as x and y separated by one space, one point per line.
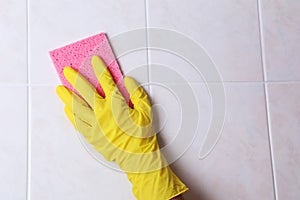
161 184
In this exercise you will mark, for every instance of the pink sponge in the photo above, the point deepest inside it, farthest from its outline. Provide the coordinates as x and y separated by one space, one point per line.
78 56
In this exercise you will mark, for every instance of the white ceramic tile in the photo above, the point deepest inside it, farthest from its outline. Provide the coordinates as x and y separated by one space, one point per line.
13 148
61 168
176 64
281 30
13 42
227 30
285 126
135 64
182 114
182 108
53 24
239 167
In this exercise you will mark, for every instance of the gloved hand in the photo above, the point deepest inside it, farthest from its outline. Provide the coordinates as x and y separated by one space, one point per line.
121 134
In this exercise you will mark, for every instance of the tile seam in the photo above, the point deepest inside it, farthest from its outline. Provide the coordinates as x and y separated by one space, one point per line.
266 94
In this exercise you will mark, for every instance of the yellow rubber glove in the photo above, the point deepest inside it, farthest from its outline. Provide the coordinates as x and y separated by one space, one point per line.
121 134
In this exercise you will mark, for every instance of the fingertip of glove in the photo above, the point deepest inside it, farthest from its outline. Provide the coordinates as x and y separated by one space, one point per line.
59 90
69 73
63 93
131 85
97 62
67 70
95 59
127 78
130 82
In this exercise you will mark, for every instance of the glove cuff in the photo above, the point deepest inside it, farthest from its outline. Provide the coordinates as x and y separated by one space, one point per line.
161 184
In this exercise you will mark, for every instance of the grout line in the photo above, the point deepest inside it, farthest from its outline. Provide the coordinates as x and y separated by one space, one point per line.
28 160
147 46
266 93
196 82
27 85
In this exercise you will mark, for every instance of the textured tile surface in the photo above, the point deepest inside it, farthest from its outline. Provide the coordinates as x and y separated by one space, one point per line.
281 27
13 143
13 42
61 168
49 29
239 167
227 30
285 126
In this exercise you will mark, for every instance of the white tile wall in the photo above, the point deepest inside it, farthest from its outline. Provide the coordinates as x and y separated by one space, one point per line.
285 121
240 167
280 25
13 37
227 30
13 100
13 143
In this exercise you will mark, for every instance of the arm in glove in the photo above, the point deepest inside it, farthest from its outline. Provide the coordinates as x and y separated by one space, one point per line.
121 134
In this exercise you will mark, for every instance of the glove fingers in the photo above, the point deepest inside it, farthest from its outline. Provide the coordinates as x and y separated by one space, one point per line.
76 104
70 116
85 114
85 89
82 126
137 94
69 98
103 75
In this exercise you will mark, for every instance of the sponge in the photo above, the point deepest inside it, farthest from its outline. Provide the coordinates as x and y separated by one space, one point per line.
78 55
